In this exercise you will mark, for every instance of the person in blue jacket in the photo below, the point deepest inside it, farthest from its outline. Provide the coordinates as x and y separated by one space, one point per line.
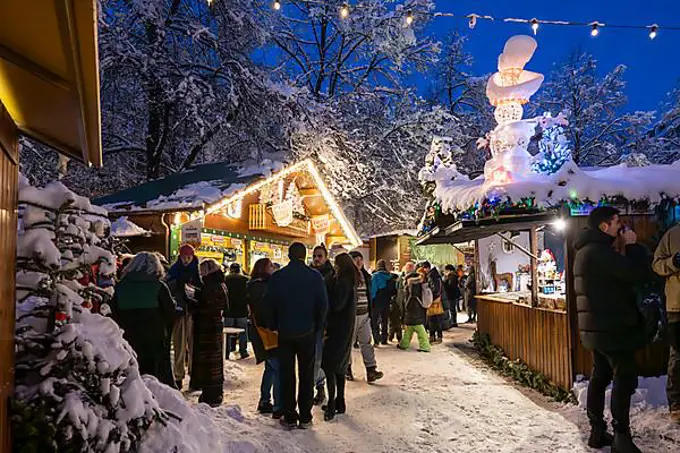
383 289
299 304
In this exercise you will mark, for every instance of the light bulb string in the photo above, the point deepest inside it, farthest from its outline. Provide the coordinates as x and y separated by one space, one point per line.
349 7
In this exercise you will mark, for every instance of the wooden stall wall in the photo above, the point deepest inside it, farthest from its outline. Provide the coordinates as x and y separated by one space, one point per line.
652 360
8 232
537 336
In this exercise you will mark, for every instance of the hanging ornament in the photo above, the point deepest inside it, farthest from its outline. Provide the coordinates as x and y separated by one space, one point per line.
283 213
235 209
321 223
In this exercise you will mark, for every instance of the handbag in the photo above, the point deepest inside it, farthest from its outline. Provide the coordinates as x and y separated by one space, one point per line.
437 308
270 338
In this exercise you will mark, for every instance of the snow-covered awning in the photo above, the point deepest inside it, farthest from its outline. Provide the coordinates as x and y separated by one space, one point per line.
123 227
649 183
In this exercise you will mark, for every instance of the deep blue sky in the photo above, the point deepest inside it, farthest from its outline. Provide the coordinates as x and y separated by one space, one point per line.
653 65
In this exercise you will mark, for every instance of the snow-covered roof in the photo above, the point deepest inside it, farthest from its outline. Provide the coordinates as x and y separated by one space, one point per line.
405 232
193 189
650 183
123 227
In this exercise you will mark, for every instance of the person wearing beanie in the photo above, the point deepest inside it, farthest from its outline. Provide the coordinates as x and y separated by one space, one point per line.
383 289
237 314
182 275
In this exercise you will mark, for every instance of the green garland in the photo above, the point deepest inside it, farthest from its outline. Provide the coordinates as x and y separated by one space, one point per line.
518 370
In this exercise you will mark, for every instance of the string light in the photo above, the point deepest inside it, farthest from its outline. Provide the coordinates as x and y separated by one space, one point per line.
594 31
473 21
653 29
277 5
409 17
344 11
534 25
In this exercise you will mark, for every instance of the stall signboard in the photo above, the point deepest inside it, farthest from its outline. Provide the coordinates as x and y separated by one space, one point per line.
191 232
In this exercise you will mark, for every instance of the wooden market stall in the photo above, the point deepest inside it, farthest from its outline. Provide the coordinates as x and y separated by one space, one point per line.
538 323
49 91
235 214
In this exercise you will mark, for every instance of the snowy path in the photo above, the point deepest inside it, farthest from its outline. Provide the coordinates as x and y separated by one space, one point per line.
442 402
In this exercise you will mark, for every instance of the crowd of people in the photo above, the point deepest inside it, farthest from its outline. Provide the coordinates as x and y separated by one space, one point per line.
309 314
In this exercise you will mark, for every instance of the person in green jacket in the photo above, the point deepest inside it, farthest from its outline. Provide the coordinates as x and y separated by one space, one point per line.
144 308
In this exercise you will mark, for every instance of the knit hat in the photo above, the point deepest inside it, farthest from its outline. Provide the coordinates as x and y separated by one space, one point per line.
381 265
186 250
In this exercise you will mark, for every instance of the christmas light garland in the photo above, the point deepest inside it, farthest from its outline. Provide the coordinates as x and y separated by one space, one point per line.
409 17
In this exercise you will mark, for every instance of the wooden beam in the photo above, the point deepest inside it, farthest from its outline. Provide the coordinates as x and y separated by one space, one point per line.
34 68
533 244
519 247
310 192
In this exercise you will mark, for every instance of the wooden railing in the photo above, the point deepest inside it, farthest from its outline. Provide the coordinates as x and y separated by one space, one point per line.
537 336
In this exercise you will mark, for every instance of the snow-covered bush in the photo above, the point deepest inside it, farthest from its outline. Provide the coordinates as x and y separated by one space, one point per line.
78 387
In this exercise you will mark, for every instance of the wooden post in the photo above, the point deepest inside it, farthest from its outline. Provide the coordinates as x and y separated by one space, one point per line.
9 156
533 245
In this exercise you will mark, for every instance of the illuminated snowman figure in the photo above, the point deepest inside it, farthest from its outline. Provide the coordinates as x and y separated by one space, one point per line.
508 90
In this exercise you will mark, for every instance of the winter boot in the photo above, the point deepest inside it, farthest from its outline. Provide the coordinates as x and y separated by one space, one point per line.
340 406
599 437
245 355
675 415
288 424
320 395
305 424
329 411
277 415
623 443
373 375
350 375
265 407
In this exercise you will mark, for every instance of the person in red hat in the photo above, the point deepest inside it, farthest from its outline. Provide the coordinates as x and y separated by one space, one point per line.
183 275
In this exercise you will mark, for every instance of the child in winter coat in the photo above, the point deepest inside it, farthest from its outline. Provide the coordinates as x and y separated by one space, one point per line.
415 314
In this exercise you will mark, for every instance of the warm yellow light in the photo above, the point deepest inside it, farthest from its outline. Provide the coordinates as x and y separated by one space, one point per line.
344 11
409 17
325 192
277 5
534 25
595 31
653 31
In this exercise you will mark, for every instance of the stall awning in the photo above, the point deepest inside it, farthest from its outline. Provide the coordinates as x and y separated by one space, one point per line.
469 230
49 73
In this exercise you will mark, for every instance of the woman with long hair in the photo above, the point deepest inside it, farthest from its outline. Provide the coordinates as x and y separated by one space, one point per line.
259 314
144 308
207 369
339 332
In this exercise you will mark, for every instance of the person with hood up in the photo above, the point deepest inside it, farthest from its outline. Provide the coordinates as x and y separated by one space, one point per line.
609 320
264 352
207 365
435 313
339 329
183 276
322 264
237 315
298 300
415 314
144 308
667 265
383 290
362 329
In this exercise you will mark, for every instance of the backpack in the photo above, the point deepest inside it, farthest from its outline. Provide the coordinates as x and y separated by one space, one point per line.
427 297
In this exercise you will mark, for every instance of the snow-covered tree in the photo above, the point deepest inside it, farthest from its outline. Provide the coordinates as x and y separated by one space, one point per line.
662 142
78 387
599 130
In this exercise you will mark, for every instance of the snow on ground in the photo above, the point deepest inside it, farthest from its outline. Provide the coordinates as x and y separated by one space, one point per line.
440 402
443 402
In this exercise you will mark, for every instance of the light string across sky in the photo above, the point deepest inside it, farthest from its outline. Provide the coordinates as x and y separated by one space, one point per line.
409 17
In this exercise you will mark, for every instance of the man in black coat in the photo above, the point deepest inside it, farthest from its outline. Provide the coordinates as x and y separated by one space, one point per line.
297 295
237 314
321 263
609 320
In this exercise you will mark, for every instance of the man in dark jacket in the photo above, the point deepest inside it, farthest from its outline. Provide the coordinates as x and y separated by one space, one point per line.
363 328
237 315
383 289
452 292
609 320
182 275
297 295
321 263
435 313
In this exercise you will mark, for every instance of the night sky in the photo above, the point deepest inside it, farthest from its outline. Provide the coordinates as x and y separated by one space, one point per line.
653 65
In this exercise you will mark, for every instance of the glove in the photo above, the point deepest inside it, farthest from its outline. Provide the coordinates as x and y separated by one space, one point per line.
676 260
